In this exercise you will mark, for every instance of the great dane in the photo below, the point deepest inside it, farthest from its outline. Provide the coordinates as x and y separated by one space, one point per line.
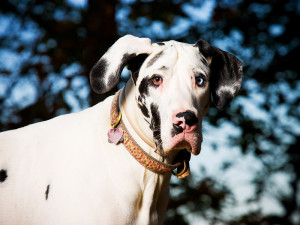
112 163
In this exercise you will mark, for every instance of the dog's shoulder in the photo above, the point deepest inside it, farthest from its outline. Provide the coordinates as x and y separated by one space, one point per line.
63 125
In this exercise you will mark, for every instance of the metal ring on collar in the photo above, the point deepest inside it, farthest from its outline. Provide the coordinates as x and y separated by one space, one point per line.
182 171
118 120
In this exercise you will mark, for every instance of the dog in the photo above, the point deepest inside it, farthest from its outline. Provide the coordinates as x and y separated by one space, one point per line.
112 163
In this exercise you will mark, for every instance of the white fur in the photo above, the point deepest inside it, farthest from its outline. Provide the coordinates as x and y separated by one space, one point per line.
91 181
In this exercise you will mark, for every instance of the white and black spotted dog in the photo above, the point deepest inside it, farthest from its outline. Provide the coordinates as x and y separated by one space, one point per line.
65 171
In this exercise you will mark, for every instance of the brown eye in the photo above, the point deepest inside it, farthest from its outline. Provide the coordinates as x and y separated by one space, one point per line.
157 81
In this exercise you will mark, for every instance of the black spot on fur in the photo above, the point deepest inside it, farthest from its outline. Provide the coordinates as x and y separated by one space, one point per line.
142 106
154 58
144 91
3 175
155 126
144 87
47 191
160 43
144 110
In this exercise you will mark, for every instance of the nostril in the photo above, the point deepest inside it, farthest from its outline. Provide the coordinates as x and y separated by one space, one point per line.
177 128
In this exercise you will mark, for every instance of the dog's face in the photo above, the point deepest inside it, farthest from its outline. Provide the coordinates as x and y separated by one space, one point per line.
172 91
173 84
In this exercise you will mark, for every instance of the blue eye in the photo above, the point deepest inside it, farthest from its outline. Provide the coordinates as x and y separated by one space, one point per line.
200 81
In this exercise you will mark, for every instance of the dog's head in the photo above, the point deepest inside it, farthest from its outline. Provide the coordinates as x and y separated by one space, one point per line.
173 84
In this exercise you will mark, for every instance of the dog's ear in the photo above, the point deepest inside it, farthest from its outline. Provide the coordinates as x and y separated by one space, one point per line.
225 73
134 64
128 50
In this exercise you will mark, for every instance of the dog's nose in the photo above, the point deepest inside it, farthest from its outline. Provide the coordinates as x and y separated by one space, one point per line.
184 121
189 117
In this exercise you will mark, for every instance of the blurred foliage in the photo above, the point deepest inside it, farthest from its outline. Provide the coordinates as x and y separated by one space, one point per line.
205 198
48 47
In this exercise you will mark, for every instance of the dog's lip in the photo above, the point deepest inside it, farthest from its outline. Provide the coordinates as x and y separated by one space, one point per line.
183 145
186 141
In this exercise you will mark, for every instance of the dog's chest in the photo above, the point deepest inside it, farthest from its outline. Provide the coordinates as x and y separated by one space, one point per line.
73 177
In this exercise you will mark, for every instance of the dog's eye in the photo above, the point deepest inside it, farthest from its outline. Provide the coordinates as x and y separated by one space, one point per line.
200 81
157 81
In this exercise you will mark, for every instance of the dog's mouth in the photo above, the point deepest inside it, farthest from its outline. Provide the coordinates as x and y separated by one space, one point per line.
191 142
183 145
183 154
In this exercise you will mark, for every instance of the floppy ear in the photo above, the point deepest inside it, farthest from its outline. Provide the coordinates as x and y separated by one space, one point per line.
225 73
128 50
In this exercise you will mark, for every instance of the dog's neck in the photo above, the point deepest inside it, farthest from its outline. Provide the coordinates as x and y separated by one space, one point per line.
134 120
155 187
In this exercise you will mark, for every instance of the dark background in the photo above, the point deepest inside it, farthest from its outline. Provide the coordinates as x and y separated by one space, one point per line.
48 47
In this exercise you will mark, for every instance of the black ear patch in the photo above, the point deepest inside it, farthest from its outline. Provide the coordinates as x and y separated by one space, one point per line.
97 82
225 73
105 76
3 175
134 64
114 78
